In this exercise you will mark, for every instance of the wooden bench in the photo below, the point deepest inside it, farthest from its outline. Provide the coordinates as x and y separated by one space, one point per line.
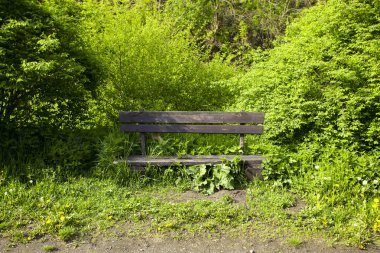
240 123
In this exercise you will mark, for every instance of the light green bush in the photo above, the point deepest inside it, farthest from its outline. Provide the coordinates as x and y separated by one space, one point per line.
150 64
322 79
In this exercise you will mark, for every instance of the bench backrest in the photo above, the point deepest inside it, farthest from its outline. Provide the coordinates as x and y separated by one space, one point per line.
192 122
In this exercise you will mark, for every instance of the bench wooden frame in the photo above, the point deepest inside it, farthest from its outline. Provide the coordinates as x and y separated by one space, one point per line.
193 122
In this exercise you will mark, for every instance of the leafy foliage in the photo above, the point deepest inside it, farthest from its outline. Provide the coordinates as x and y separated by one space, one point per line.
321 82
150 64
234 27
319 87
28 152
209 178
46 74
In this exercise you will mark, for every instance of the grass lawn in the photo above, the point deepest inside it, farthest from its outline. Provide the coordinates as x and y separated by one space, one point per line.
83 206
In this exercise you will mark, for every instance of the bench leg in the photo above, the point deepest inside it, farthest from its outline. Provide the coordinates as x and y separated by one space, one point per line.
252 170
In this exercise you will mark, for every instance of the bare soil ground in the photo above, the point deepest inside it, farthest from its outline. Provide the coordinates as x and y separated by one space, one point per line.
166 245
238 196
119 243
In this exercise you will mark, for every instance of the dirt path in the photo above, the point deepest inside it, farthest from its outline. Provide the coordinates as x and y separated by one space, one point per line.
194 245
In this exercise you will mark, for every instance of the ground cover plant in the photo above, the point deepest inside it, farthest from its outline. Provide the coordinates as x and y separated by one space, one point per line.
67 68
71 209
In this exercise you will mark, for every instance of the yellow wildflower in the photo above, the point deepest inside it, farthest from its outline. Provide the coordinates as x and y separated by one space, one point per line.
376 200
48 221
62 218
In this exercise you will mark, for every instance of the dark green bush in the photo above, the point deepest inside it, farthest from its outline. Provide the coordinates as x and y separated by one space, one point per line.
26 152
46 75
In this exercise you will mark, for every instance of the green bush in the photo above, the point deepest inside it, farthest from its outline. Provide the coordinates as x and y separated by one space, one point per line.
26 152
113 153
319 88
321 81
46 74
150 64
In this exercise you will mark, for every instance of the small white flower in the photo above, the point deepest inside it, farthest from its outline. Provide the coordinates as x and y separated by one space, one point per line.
375 181
359 178
31 181
365 182
5 193
317 167
115 162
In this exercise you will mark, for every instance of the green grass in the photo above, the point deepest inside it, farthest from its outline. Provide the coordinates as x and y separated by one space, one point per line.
84 206
151 205
49 248
294 241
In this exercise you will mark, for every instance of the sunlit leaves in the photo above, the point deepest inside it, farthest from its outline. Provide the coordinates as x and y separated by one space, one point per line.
322 77
150 63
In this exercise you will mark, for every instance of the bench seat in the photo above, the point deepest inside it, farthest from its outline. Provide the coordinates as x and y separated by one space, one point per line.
251 163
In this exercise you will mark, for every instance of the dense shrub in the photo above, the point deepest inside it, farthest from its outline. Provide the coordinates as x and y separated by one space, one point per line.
46 75
150 63
27 152
235 26
319 88
321 81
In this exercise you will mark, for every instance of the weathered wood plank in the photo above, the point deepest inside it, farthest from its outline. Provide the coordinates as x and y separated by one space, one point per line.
210 129
143 143
140 161
192 117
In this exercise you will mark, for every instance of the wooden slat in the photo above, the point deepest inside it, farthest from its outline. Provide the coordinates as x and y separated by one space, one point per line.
139 161
210 129
192 117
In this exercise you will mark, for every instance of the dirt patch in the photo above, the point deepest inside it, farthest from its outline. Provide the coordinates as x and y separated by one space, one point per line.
167 245
237 196
297 207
